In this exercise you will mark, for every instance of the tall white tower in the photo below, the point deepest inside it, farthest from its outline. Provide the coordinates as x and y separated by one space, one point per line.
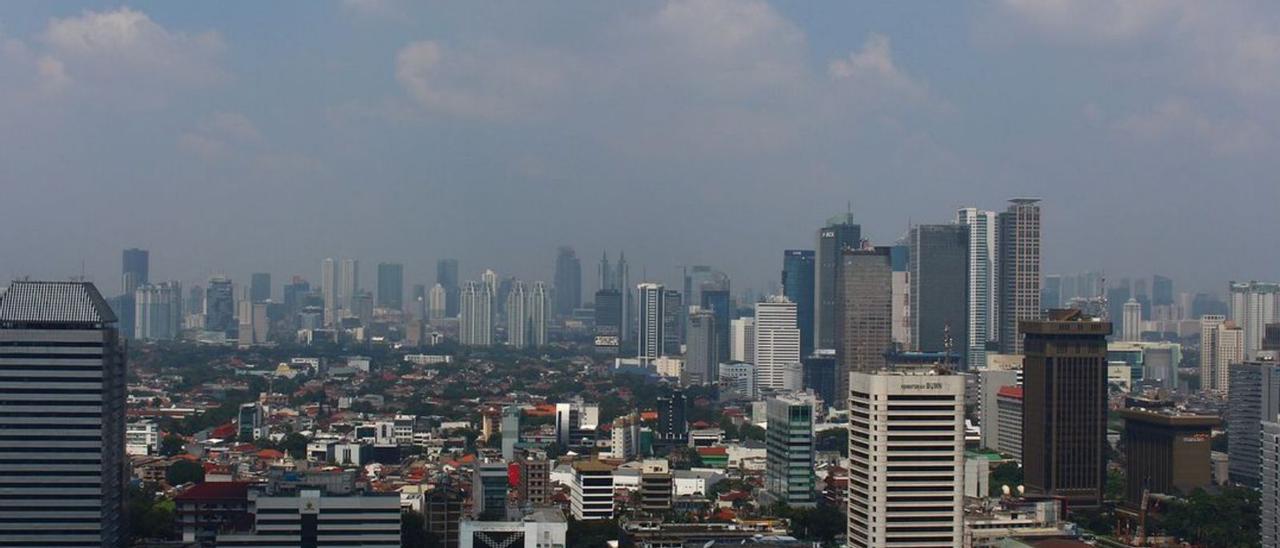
915 503
518 315
982 281
475 319
437 302
652 313
329 287
539 313
777 344
1132 321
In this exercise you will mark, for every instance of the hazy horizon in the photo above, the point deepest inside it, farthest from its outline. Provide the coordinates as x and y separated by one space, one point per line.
238 138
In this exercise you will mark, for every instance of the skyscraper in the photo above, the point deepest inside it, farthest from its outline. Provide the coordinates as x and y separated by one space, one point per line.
652 311
840 233
1253 305
798 278
568 282
909 490
939 287
219 306
135 272
419 301
329 286
1255 399
260 287
702 353
437 302
742 337
539 313
1132 320
608 312
447 277
672 322
390 286
982 282
1221 345
718 303
1019 263
777 344
518 315
865 321
349 286
158 311
63 389
1161 291
475 320
789 450
1065 407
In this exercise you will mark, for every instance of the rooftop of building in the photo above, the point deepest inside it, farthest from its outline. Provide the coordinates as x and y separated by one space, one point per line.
54 303
1170 416
1010 392
216 490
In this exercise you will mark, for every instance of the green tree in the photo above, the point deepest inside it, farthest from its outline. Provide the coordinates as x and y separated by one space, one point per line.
413 532
1006 473
591 534
148 517
171 445
1115 485
1228 519
295 445
184 471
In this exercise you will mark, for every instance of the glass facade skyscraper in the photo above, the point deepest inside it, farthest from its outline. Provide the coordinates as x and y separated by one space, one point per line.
798 287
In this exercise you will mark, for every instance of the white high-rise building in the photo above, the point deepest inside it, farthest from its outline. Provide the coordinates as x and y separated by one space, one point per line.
490 280
158 312
982 280
1132 321
518 315
475 316
742 339
1253 306
591 495
437 302
539 313
1222 343
652 312
777 344
349 286
918 502
329 288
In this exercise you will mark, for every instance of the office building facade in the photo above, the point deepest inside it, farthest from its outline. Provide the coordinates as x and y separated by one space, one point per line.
906 460
62 378
939 288
777 343
702 353
390 286
475 319
1019 264
568 282
865 321
652 321
799 274
982 282
789 450
1065 407
1255 398
839 234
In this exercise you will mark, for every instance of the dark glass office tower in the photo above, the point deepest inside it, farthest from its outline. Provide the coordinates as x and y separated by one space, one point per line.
135 267
568 282
939 305
260 287
1064 417
839 234
62 393
1161 290
797 286
1018 244
717 302
608 312
447 277
391 286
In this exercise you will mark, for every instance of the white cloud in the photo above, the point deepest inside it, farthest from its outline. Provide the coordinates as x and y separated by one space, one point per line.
128 46
484 82
1177 120
873 66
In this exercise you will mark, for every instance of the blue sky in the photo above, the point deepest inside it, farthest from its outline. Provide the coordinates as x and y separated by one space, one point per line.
235 137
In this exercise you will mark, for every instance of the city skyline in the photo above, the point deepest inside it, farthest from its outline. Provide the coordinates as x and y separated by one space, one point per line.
223 118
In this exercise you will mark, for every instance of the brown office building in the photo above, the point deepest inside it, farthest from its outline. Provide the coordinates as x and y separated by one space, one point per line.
1064 421
1165 451
864 322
